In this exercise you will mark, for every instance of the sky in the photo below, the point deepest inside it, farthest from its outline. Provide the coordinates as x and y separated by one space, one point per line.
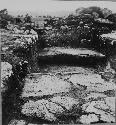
50 6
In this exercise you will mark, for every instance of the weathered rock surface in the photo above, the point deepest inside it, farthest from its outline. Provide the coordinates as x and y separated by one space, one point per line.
55 92
66 102
41 85
49 96
110 101
101 108
49 109
38 109
89 118
17 122
75 92
6 71
111 36
93 82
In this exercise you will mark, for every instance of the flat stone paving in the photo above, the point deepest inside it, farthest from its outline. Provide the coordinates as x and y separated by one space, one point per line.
79 93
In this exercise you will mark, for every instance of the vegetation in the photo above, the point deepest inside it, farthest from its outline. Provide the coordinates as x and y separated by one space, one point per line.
82 29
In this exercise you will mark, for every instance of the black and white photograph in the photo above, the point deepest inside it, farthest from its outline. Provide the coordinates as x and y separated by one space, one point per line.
58 62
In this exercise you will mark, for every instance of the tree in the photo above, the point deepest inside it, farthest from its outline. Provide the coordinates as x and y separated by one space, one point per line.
27 18
4 18
95 11
112 17
4 11
3 24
